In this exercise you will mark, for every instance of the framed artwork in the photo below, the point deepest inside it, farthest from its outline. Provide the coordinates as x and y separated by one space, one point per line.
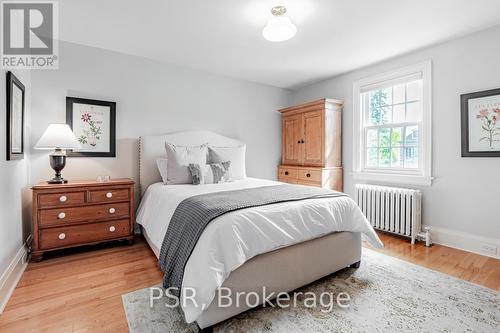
15 118
94 125
481 124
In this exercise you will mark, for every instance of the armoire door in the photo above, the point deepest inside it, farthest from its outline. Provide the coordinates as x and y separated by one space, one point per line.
292 134
313 146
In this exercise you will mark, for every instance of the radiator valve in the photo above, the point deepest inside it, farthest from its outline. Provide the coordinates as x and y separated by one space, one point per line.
425 236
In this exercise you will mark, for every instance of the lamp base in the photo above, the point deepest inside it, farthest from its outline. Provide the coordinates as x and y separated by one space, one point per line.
56 180
57 162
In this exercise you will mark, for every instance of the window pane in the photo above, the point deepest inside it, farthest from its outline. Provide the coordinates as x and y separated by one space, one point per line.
399 115
396 161
371 157
397 137
381 115
384 158
384 135
371 138
411 136
381 97
399 94
414 91
411 157
414 111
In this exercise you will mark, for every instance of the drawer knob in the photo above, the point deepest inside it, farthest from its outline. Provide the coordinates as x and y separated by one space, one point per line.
308 175
112 210
62 236
109 195
112 228
286 173
63 198
61 215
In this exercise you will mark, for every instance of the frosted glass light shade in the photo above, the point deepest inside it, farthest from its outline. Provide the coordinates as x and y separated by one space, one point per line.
279 29
58 136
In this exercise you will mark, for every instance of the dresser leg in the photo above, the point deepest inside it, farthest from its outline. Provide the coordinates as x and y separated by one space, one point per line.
130 241
36 256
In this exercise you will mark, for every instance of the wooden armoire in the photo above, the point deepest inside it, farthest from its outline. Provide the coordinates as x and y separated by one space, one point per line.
312 144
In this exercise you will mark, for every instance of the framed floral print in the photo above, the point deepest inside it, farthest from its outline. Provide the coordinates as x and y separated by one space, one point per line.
481 124
94 125
15 118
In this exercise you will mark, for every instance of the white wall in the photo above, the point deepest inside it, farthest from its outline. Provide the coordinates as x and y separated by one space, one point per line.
14 196
463 203
154 98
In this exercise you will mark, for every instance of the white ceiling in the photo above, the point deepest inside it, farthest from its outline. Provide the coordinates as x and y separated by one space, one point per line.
224 36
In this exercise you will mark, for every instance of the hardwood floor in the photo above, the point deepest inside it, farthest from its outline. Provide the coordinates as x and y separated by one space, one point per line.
468 266
81 290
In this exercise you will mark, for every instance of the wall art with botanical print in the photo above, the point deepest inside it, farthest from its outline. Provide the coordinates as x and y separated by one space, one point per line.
93 123
15 118
481 124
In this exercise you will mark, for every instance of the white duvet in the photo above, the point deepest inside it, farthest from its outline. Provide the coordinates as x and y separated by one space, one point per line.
232 239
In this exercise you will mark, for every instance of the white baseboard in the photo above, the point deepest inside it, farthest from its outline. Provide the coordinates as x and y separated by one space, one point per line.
10 278
464 241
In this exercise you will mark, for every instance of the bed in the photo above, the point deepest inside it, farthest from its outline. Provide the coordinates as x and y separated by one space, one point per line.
247 249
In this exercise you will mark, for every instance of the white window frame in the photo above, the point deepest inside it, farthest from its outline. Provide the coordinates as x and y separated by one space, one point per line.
420 176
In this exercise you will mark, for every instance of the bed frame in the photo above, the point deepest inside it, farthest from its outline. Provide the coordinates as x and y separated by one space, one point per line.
282 270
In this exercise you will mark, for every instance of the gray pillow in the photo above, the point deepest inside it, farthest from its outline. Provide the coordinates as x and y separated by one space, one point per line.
210 173
234 154
178 159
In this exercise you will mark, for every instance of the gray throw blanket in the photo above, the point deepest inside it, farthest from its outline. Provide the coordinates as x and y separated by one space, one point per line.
193 215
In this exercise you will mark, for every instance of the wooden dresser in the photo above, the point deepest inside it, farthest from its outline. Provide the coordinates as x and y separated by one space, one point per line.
81 212
312 144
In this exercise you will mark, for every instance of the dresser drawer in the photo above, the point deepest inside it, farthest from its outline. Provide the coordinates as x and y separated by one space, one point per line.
310 175
62 216
81 234
61 199
287 172
109 195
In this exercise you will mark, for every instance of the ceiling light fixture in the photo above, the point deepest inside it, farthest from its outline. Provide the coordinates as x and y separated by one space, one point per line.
279 28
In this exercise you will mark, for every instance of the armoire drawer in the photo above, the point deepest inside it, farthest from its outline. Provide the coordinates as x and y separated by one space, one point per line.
287 180
309 175
287 172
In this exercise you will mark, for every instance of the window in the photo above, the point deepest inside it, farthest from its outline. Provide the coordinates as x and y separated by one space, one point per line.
392 126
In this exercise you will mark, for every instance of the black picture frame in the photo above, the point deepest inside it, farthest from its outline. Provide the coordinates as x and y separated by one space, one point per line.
112 129
464 102
13 81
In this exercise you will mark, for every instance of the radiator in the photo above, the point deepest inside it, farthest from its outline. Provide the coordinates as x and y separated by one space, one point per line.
391 209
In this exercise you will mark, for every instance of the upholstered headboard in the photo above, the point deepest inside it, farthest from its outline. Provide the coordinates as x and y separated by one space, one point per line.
153 147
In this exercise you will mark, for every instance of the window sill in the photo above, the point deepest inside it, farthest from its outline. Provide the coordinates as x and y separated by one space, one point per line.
393 178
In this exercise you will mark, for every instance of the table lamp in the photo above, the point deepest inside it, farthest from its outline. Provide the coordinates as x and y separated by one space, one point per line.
59 137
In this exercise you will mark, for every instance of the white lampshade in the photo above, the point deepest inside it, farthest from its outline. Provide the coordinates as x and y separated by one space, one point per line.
279 29
58 136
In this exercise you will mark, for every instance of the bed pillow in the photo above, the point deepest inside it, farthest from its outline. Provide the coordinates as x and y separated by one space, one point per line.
234 154
178 160
210 173
161 163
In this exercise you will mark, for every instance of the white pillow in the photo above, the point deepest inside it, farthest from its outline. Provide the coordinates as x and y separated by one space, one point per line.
178 160
236 155
161 163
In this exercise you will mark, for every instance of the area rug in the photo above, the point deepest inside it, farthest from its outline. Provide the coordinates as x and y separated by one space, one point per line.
387 295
